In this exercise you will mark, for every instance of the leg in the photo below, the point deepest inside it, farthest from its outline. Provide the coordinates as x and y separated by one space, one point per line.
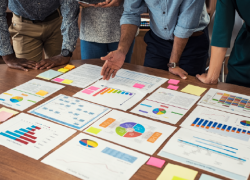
53 38
92 50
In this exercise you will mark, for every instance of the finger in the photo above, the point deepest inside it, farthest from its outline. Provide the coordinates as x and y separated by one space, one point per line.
114 73
105 66
20 68
110 4
106 73
111 71
40 64
182 75
45 66
108 57
28 66
51 66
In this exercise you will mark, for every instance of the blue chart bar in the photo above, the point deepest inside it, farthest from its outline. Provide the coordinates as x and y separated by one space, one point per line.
244 131
119 155
13 134
224 127
229 128
33 126
29 129
19 132
219 126
214 125
209 124
8 136
204 124
195 121
234 129
24 130
239 130
199 123
248 132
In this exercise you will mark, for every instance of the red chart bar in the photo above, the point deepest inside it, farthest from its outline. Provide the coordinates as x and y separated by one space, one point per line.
33 129
32 137
31 133
27 139
100 91
21 141
38 128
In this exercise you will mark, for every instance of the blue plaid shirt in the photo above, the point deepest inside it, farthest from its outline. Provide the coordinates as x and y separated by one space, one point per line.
168 18
39 10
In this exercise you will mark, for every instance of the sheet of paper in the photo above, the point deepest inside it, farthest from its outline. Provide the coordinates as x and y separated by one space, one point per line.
166 105
226 101
28 94
95 159
175 172
70 111
4 116
207 177
195 90
228 126
173 81
173 87
82 76
156 162
32 136
139 81
132 131
8 110
118 97
209 152
50 74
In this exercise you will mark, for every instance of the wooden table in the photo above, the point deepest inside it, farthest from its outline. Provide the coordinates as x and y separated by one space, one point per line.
15 166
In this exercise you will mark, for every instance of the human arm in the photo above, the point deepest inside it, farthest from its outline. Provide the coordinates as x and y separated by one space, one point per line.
110 3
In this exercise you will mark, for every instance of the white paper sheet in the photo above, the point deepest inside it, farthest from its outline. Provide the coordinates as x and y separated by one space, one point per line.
132 131
116 96
70 111
83 75
225 125
27 94
166 105
209 152
97 160
32 136
227 101
140 81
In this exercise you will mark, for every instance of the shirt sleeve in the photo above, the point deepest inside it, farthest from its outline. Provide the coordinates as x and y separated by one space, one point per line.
5 45
223 23
132 12
189 18
69 28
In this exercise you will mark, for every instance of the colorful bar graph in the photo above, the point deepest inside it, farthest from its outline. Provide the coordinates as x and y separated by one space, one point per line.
195 121
100 91
214 125
204 124
209 124
224 127
199 123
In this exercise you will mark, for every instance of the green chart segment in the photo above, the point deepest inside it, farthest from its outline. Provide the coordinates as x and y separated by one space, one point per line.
130 130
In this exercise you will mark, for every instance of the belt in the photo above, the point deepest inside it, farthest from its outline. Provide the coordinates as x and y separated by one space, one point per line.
198 33
51 17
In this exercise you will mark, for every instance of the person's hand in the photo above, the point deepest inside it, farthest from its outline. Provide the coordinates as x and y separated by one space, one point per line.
179 72
52 62
114 61
206 80
18 63
110 3
86 5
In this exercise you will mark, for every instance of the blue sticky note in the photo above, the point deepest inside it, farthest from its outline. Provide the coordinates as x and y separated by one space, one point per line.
50 74
207 177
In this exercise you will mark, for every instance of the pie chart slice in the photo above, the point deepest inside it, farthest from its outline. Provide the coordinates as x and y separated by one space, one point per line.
245 123
130 130
88 143
16 99
159 111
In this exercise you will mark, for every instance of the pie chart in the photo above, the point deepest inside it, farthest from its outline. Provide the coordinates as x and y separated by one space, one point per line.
245 123
16 99
130 130
88 143
159 111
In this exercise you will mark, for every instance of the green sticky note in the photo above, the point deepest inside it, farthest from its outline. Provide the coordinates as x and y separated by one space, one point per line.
94 130
178 178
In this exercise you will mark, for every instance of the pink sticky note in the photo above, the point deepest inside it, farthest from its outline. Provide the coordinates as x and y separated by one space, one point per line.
58 80
140 86
173 81
87 91
4 116
93 88
156 162
173 87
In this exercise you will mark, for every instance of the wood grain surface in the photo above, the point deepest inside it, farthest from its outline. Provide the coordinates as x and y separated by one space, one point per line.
15 166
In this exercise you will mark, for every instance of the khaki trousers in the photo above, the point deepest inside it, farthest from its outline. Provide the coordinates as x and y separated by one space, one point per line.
29 39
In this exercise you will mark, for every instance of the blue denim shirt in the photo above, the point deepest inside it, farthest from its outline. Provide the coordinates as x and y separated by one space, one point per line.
168 18
39 10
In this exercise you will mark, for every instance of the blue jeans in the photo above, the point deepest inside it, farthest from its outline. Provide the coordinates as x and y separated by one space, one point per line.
92 50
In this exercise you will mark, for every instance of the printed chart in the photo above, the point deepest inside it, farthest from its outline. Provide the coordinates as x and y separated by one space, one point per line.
27 94
106 161
227 101
132 131
82 76
210 153
166 105
115 97
230 126
32 136
140 81
70 111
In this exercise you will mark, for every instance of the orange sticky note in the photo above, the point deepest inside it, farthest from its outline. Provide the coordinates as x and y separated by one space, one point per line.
69 67
42 93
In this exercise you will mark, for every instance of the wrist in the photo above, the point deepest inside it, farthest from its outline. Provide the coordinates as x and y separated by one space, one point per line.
213 76
122 51
9 57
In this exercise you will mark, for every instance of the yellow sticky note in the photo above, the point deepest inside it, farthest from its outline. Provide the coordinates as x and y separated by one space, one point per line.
94 130
43 77
63 70
8 110
195 90
69 67
175 172
42 93
66 81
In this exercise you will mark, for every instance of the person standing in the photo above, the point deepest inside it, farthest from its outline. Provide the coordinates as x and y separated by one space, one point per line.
36 26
